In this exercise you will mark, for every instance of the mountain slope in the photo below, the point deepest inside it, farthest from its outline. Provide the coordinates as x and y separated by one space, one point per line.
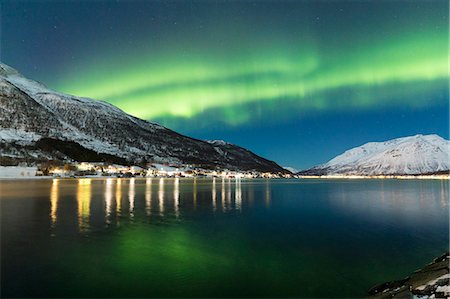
30 112
419 154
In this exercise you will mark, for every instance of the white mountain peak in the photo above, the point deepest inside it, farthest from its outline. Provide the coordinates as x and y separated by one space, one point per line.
417 154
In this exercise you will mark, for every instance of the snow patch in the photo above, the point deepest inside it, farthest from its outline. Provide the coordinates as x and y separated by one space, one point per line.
10 135
13 172
217 142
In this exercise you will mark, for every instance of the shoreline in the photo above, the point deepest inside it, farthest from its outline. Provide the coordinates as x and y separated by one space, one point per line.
425 178
431 281
32 172
377 177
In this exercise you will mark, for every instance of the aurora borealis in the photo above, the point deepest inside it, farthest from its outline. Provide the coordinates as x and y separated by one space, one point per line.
300 74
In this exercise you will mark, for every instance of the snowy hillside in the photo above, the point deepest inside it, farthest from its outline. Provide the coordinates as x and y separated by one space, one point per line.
38 124
419 154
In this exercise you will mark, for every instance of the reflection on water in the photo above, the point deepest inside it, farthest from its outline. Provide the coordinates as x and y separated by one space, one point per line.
176 196
222 198
131 194
53 201
213 194
231 197
278 235
161 197
238 194
108 199
392 202
148 196
251 196
84 203
229 194
377 200
118 196
267 194
194 193
444 195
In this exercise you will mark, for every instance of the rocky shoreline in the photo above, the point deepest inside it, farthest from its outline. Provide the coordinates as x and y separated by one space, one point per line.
432 281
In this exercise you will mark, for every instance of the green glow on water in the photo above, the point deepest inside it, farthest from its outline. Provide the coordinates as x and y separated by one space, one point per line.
285 238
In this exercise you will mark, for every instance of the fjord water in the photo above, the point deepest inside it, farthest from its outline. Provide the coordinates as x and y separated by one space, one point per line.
160 237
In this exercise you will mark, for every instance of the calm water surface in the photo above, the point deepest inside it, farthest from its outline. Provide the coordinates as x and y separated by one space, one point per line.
216 238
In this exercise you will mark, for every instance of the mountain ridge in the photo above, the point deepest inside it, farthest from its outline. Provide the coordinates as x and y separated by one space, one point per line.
412 155
29 112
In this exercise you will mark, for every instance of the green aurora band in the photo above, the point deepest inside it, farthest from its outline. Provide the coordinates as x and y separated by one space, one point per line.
191 80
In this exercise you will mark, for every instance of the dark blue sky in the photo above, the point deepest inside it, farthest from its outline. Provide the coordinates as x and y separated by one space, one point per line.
297 82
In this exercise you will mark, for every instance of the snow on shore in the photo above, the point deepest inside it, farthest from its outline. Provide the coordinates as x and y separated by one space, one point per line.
17 172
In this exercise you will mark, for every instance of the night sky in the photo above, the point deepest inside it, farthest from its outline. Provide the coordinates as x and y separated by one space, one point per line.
297 82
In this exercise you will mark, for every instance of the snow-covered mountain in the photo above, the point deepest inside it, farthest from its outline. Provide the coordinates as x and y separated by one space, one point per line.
419 154
39 124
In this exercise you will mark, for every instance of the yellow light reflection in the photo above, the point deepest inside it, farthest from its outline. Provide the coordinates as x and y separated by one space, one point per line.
118 196
213 195
176 196
108 198
229 194
222 197
84 203
238 194
161 196
54 201
267 197
148 196
131 195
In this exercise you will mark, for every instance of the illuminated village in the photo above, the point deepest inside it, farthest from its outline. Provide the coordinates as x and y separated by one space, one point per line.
91 169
